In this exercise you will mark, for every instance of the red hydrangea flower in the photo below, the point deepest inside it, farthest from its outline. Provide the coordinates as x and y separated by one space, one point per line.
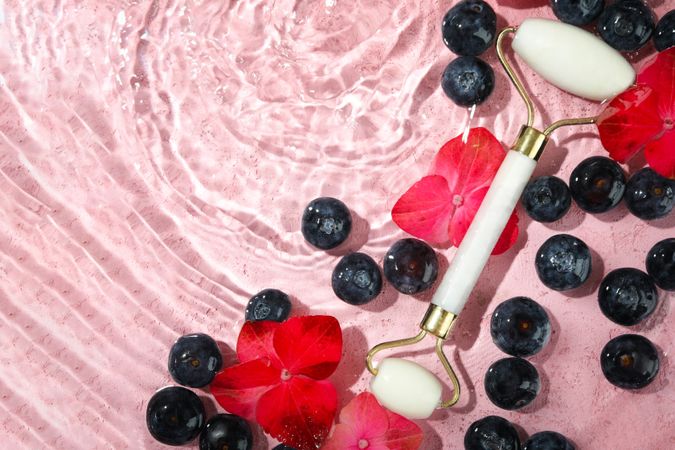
364 424
280 381
440 207
644 117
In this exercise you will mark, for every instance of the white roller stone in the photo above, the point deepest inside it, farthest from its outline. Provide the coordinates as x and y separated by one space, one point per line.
573 59
406 388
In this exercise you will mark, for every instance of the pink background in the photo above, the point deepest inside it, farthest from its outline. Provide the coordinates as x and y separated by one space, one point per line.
155 158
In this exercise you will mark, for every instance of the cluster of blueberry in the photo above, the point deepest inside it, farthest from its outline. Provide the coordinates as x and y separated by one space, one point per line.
626 25
410 265
497 432
175 415
469 29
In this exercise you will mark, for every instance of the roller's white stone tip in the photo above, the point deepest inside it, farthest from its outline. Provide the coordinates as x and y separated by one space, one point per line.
406 388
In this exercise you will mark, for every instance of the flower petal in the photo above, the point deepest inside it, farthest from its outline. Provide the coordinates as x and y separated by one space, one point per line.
256 341
465 214
309 345
238 388
659 74
629 121
342 438
365 416
424 211
469 165
403 434
660 155
298 412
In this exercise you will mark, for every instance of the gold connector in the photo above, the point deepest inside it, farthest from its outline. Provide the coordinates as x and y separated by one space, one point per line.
530 142
438 321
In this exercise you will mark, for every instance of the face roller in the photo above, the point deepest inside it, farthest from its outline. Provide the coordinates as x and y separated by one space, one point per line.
569 58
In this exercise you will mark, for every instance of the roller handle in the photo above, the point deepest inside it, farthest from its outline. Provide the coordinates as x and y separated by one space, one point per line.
484 231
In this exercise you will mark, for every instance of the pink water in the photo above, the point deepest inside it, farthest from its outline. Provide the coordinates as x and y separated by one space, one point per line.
155 157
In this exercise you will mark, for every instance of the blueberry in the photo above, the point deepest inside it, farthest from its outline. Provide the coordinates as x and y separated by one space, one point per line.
660 264
175 415
326 222
356 279
563 262
194 360
664 34
548 440
577 12
597 184
626 25
520 327
226 431
490 433
268 304
546 199
649 195
468 81
411 266
629 361
627 296
469 27
512 383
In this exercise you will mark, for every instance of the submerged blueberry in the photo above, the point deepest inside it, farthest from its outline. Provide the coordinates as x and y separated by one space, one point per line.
174 415
520 327
226 432
468 81
356 279
546 199
660 264
268 304
627 296
469 27
664 34
563 262
411 266
194 360
626 25
548 440
649 195
326 222
577 12
512 383
597 184
490 433
629 361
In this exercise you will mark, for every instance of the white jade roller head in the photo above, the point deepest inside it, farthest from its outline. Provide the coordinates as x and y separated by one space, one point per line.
569 58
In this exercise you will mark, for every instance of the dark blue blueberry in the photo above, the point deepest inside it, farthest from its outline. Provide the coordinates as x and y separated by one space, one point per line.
356 279
629 361
326 222
490 433
411 266
597 184
194 360
548 440
546 199
520 327
468 81
563 262
660 264
649 195
664 34
469 27
577 12
626 25
268 304
226 432
512 383
627 296
283 447
175 415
